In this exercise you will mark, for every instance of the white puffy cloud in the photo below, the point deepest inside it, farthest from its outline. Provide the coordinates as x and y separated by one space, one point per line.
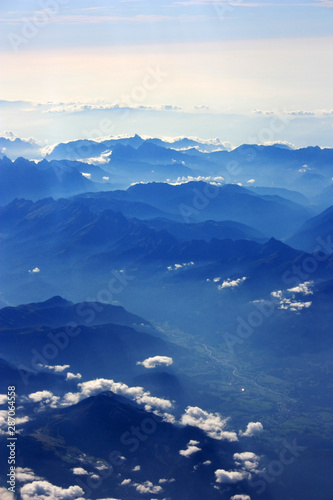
138 394
252 429
291 304
167 417
304 288
36 397
3 399
164 480
151 402
43 490
137 468
5 494
211 423
35 270
101 466
25 475
97 160
4 424
251 181
72 376
230 477
247 460
277 294
240 497
191 448
45 398
147 487
55 368
86 175
156 361
125 482
21 420
232 283
71 398
281 144
79 471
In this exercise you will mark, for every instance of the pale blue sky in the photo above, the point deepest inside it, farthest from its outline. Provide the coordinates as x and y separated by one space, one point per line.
229 57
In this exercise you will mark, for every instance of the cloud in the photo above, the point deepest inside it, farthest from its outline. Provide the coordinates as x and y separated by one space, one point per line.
190 449
230 477
290 303
295 306
72 376
303 288
71 398
43 490
4 425
283 144
5 494
44 397
252 429
231 283
83 107
87 176
251 181
79 471
216 181
138 394
156 361
35 270
137 468
211 423
55 368
175 267
240 497
103 159
125 482
3 399
24 475
147 487
247 460
164 480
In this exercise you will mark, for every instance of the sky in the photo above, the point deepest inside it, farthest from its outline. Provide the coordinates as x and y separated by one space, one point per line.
206 68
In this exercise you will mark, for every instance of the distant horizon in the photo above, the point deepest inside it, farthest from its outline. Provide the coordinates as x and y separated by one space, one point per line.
205 68
59 122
